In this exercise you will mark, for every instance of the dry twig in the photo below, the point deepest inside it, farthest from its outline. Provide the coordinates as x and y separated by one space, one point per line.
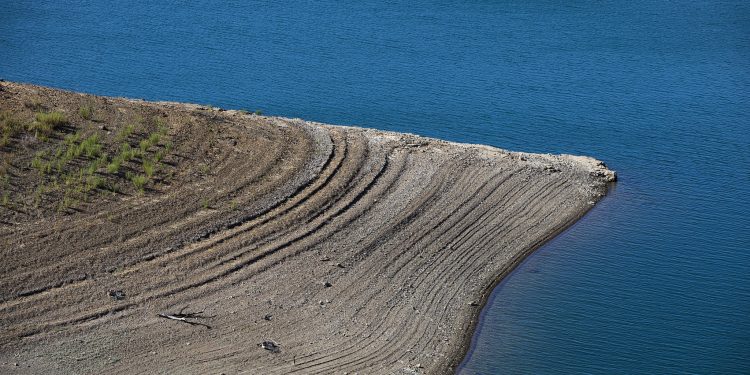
183 317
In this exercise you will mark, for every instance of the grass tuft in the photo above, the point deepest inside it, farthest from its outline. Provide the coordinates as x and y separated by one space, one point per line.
9 127
86 112
139 181
46 123
148 167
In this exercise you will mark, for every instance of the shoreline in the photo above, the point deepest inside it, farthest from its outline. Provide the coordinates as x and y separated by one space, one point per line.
353 249
469 340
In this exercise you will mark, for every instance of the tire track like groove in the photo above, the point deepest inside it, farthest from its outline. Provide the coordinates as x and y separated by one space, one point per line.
245 223
97 241
224 246
484 240
471 197
229 270
398 328
73 281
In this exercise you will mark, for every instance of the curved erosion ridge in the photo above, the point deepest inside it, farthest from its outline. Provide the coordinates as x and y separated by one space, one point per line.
353 250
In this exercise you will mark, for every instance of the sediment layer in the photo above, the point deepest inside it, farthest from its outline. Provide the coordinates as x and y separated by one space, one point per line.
353 250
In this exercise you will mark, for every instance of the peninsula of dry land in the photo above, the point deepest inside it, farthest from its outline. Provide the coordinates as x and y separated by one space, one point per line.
140 237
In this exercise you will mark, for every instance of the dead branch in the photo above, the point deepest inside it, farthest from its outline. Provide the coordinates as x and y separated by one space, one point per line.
183 317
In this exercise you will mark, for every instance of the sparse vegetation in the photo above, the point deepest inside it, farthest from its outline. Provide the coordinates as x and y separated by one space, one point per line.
10 126
126 131
204 168
45 123
148 168
114 166
34 104
139 181
91 146
5 200
73 166
86 112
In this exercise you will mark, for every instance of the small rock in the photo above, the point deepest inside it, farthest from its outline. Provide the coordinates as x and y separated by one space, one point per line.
473 303
339 265
117 295
327 284
325 259
268 317
270 346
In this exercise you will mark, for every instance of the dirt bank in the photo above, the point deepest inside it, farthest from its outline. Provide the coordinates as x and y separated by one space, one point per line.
343 249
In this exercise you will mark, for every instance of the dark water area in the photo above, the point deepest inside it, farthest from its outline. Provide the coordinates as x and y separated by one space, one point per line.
655 279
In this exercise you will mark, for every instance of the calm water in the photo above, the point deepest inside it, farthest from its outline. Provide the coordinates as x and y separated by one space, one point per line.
656 279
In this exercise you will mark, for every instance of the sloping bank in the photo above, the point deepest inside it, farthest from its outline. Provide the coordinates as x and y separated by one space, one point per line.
343 249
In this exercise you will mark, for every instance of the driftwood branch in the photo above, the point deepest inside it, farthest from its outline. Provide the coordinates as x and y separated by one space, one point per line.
183 317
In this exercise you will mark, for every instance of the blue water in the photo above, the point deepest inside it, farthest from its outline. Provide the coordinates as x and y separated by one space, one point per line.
656 279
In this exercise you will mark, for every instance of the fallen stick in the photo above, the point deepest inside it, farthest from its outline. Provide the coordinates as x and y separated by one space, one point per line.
180 317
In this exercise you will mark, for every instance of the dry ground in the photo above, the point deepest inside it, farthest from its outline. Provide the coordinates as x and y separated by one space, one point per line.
353 250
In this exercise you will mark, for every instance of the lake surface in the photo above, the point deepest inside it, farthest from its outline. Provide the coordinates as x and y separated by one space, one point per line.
655 279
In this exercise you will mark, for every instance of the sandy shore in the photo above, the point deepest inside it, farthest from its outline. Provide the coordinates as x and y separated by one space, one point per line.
351 250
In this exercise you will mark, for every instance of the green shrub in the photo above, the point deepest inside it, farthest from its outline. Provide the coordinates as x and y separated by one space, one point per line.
46 123
139 181
9 127
148 167
86 112
38 163
125 133
152 140
114 166
53 119
94 182
91 146
127 153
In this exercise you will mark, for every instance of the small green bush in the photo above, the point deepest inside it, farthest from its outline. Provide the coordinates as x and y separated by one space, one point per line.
52 119
139 181
148 167
127 153
86 112
46 123
93 183
91 146
114 166
125 133
9 127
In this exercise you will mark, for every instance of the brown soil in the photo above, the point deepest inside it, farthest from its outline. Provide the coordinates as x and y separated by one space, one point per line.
353 250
